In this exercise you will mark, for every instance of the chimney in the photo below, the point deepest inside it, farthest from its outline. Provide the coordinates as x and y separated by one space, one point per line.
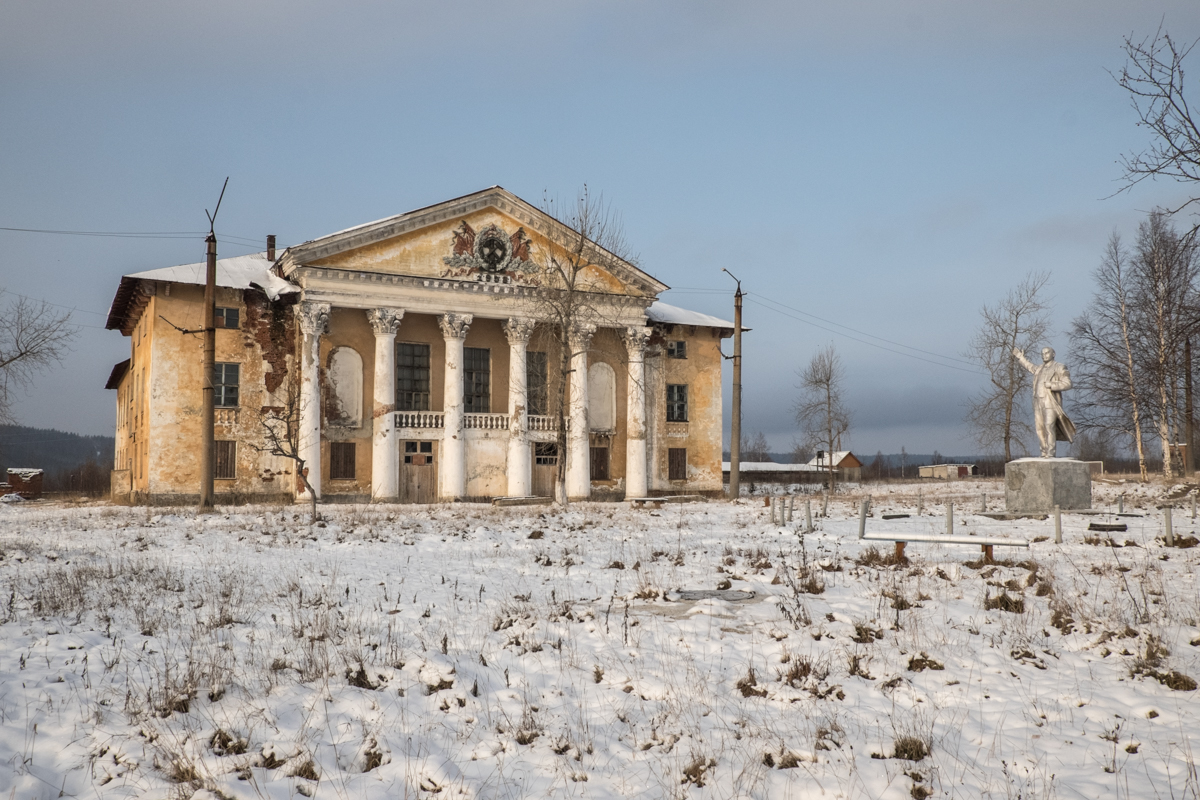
270 247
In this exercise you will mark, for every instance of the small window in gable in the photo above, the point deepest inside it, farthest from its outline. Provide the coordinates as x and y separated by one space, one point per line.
677 349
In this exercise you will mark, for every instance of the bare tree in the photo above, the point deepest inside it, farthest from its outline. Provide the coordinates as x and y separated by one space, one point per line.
1153 75
1019 321
756 449
571 298
33 337
820 412
1164 272
801 453
281 435
1103 356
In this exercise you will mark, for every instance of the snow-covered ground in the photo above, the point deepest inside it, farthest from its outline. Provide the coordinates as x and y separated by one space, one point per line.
466 651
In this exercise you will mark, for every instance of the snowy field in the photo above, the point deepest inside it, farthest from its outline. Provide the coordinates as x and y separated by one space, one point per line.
467 651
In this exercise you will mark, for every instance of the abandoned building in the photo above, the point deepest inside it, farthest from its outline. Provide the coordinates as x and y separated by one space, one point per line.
424 359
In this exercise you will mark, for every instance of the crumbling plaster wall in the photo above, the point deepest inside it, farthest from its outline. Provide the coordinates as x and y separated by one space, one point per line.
261 346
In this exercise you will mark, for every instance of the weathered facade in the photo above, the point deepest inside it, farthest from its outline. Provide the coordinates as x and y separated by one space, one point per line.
425 357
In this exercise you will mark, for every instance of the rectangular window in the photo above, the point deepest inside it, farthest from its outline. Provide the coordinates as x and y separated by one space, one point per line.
545 454
412 376
225 385
536 383
341 461
225 460
676 349
419 453
677 463
599 463
477 379
677 406
226 317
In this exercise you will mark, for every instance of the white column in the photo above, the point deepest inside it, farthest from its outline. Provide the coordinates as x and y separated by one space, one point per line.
520 476
579 467
314 320
454 446
636 484
385 451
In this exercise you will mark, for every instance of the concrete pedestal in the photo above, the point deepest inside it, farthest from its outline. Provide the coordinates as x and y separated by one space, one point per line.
1037 485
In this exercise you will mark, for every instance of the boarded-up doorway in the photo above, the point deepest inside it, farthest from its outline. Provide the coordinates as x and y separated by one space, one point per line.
545 468
418 472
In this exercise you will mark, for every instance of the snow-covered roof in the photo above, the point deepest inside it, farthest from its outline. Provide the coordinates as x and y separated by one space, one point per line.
238 272
674 315
769 466
24 473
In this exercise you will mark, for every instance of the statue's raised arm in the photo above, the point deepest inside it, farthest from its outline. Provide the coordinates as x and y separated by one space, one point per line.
1023 361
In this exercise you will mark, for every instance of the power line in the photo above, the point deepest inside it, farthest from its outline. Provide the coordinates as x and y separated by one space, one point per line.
869 344
864 333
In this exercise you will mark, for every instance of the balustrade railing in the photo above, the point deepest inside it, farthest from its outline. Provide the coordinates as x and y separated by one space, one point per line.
225 416
540 424
488 422
420 419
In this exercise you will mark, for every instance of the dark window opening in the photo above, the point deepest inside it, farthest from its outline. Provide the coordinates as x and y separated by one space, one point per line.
418 453
676 349
545 454
599 463
537 383
677 463
677 402
226 318
225 385
477 378
341 461
225 460
412 376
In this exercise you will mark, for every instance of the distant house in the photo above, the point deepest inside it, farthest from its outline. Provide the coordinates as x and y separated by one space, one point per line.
845 464
770 472
947 472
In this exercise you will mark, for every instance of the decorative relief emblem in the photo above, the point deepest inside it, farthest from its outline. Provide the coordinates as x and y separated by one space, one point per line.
490 252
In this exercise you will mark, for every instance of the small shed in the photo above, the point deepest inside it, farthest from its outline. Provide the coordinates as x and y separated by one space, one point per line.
847 465
947 472
26 482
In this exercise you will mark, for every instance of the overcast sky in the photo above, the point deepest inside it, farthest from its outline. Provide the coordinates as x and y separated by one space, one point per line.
884 166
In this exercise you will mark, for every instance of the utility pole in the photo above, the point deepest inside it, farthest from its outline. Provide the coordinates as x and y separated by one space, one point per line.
735 434
1188 460
207 399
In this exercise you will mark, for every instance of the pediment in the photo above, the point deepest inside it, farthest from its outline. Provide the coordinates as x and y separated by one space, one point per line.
490 236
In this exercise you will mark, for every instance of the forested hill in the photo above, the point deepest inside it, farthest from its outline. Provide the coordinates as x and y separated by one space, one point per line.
51 450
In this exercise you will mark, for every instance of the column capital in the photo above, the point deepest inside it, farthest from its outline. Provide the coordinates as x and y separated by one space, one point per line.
636 339
518 330
314 318
580 335
385 321
455 326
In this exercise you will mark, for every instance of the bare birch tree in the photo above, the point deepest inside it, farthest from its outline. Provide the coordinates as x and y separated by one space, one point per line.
1154 77
570 300
1103 355
1163 277
1021 320
33 337
820 411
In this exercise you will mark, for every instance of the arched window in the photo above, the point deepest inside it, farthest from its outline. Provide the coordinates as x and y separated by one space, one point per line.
345 373
602 397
